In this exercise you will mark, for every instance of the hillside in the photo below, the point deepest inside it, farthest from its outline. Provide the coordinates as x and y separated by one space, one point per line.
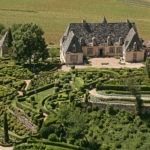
54 16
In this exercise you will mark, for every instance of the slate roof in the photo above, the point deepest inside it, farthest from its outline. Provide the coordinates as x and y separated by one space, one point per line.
3 40
71 41
132 41
100 31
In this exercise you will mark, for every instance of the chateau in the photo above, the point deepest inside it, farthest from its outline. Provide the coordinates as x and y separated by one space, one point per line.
102 40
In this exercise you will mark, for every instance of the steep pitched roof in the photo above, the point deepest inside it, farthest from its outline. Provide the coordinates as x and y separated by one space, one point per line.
132 41
100 31
71 44
3 40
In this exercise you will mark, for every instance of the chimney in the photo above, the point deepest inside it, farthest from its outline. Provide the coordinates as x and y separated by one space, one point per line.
84 23
108 41
121 41
94 43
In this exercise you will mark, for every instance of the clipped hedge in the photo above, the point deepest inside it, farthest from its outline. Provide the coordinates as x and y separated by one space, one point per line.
30 146
65 145
121 87
124 92
78 82
39 89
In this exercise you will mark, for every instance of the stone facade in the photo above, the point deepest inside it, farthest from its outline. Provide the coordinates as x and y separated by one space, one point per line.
102 40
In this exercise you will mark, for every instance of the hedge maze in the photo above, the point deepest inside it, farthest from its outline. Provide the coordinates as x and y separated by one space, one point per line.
53 95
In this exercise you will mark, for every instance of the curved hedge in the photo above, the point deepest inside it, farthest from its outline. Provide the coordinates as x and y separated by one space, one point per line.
121 87
65 145
39 89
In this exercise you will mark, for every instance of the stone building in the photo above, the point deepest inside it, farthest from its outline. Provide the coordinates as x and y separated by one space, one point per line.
3 45
101 40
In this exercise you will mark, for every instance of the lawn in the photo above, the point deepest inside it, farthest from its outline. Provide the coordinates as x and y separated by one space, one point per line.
54 16
40 96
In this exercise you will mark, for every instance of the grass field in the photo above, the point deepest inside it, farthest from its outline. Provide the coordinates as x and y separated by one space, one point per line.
55 15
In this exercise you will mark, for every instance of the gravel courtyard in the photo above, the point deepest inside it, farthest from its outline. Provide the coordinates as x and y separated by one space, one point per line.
105 63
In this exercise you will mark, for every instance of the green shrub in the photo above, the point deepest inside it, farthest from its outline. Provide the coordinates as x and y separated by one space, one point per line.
53 137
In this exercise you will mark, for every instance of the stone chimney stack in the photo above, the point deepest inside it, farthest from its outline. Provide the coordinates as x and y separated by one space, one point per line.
108 41
121 41
84 23
94 42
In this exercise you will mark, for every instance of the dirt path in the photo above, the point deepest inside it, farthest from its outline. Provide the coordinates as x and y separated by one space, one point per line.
6 148
45 116
94 93
27 84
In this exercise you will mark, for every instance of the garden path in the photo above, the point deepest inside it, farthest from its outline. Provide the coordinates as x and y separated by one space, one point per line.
94 93
6 148
45 116
27 84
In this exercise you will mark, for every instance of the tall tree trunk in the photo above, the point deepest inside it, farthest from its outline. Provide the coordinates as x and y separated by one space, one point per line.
30 61
6 128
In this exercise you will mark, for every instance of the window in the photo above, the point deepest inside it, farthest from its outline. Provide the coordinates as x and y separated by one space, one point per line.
90 51
74 58
111 50
119 49
73 48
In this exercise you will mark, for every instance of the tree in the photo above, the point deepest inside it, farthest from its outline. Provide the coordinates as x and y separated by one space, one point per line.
28 43
9 38
73 120
6 135
148 66
135 91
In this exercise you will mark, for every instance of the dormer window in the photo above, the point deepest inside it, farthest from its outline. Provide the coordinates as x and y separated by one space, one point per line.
73 48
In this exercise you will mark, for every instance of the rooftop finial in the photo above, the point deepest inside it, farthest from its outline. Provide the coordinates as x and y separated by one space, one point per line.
104 20
84 21
129 23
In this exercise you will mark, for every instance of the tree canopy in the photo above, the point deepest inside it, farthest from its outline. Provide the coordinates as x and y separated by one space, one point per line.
28 43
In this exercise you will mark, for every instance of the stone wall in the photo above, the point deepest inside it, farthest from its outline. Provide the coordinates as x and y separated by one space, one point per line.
129 56
79 55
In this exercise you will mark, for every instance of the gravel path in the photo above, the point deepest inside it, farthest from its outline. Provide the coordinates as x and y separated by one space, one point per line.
112 63
94 93
6 148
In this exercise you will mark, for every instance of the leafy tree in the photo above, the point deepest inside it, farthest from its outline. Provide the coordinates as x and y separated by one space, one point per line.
2 28
148 66
74 121
28 43
53 54
9 38
135 91
86 97
6 128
